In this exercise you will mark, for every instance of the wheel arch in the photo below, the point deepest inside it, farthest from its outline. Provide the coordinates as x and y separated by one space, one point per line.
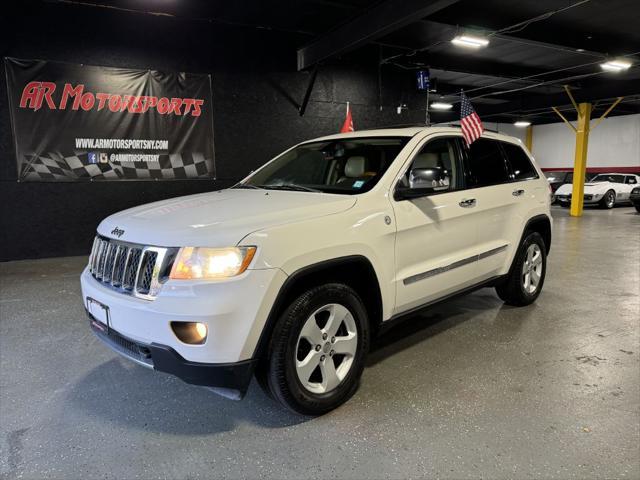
541 224
356 271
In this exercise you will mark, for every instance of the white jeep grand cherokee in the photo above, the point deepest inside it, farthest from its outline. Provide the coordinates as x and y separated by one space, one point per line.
291 272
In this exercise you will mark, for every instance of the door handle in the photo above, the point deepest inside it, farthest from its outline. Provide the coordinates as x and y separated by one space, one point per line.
468 202
517 193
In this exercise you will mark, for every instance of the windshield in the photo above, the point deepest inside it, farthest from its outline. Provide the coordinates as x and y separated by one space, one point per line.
607 177
556 176
346 166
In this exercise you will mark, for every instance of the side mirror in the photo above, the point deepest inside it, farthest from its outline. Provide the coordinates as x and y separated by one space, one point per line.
424 177
422 182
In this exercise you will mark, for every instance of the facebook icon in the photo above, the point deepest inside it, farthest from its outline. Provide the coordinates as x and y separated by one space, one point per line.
92 157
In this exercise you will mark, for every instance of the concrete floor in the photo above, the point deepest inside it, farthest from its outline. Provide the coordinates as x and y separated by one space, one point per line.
469 389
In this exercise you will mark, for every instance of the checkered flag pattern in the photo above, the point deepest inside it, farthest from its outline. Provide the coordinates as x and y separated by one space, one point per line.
53 166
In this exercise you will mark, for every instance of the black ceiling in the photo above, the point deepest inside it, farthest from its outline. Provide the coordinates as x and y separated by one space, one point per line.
523 70
520 74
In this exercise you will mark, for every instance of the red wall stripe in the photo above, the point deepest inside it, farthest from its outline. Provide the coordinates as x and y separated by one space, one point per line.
596 169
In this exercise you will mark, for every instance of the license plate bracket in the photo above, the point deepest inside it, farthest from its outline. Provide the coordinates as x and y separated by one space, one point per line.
100 314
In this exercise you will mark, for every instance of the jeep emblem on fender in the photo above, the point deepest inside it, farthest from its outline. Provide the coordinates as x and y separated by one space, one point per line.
117 232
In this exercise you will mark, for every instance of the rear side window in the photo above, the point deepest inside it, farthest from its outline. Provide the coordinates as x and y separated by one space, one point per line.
521 166
485 164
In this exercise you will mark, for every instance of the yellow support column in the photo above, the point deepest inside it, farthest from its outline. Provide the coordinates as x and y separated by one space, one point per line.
528 141
580 163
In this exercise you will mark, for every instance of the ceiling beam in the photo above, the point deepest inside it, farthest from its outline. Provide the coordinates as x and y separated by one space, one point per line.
565 30
606 90
469 65
427 32
368 27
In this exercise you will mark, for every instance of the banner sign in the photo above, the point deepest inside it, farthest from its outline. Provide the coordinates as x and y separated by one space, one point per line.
422 79
81 122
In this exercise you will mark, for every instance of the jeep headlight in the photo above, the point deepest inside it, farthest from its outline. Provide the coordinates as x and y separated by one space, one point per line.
211 263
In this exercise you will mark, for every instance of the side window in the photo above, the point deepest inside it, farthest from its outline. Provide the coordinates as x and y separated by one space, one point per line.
630 180
485 164
616 179
521 166
569 178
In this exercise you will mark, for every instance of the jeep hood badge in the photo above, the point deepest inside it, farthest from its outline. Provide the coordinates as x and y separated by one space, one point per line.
117 232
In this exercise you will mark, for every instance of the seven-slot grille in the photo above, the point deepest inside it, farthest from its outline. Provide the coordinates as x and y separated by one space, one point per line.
129 268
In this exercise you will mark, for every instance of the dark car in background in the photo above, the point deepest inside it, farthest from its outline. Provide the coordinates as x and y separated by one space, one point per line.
634 197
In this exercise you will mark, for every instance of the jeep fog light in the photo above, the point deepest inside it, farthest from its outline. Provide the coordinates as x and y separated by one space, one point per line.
193 333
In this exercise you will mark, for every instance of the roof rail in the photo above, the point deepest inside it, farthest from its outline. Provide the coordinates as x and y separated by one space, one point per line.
403 125
423 125
458 126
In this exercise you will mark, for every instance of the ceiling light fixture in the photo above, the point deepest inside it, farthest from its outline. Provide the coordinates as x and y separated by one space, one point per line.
522 123
441 106
470 41
615 65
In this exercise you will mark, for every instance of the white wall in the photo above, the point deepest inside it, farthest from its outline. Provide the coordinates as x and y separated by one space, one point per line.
507 129
614 143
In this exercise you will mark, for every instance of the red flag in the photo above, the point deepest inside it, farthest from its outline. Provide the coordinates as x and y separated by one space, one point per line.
347 126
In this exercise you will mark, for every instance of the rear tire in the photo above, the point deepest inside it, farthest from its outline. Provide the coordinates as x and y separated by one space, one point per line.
317 350
608 200
526 276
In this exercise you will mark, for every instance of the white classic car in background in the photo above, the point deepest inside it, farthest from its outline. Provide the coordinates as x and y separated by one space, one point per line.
605 189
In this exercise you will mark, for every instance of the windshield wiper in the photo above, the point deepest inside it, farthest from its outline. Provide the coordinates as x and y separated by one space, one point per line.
293 187
247 185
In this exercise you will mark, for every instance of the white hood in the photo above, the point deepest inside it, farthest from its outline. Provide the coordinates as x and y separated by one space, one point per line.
218 219
589 188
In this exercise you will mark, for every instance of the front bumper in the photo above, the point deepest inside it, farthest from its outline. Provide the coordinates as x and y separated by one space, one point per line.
588 199
232 378
233 310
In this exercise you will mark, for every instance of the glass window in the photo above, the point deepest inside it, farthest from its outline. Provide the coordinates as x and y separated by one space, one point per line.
439 154
630 180
559 177
521 166
607 177
486 165
345 166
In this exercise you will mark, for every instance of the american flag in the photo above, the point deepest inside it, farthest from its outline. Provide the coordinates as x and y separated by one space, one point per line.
471 124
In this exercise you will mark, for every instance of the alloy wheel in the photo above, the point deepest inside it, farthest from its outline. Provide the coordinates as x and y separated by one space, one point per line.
532 269
326 348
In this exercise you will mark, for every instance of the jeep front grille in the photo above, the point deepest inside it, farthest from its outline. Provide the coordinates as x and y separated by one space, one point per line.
129 268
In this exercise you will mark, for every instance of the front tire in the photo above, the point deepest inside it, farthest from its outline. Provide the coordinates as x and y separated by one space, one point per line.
526 276
317 350
637 207
608 200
